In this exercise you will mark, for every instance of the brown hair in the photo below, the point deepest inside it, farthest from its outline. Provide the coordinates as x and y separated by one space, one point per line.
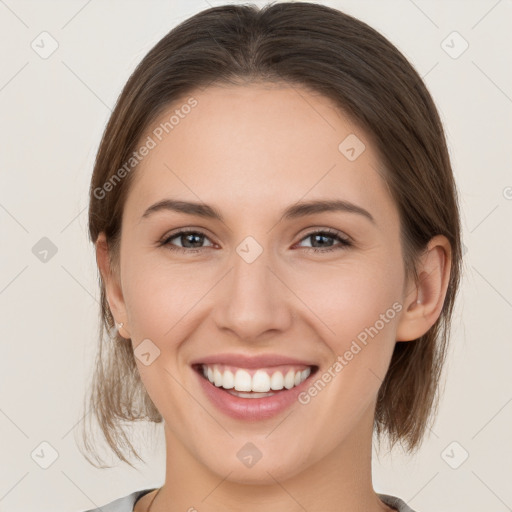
326 51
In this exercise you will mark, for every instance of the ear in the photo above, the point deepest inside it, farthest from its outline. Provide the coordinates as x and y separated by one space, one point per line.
424 300
111 279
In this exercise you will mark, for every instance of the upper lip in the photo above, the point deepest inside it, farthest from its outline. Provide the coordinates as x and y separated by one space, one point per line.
245 361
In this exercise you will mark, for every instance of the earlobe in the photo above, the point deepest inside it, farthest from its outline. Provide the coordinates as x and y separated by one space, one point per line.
425 300
113 290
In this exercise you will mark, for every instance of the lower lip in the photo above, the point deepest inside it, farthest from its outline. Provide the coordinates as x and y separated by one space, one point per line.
251 409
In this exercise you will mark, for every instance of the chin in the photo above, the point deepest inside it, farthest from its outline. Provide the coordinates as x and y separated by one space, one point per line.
264 471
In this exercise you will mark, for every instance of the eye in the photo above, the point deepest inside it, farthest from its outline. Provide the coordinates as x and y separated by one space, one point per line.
320 237
192 241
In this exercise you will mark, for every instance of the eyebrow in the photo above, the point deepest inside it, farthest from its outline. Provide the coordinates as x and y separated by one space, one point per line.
295 211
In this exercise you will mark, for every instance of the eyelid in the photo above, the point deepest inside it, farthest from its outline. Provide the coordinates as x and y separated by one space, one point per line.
330 231
178 231
344 241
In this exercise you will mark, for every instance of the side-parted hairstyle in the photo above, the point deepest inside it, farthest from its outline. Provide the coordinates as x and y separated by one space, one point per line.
328 52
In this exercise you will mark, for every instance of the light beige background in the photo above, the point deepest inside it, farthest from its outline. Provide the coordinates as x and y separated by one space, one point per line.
53 112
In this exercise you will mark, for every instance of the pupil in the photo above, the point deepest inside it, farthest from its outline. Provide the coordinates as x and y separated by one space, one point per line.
194 235
322 237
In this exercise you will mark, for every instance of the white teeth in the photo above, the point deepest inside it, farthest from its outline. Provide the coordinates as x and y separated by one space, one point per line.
228 380
217 377
260 382
277 381
289 380
243 381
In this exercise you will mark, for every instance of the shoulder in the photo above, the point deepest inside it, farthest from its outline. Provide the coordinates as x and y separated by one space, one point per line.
395 503
124 504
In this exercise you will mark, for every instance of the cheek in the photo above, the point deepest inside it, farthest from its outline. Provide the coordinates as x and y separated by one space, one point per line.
348 298
360 306
361 309
156 298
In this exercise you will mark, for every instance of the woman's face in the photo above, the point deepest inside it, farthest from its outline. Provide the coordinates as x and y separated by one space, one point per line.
259 283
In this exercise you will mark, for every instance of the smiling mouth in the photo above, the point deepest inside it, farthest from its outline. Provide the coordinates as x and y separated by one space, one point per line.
255 383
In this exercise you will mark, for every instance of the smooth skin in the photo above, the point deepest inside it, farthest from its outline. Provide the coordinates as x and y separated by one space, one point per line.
250 151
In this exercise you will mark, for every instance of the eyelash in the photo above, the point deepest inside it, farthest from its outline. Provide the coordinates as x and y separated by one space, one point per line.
345 242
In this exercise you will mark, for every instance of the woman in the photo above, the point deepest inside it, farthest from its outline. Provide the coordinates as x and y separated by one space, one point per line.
277 232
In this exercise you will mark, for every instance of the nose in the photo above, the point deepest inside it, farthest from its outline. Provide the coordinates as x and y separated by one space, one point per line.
253 299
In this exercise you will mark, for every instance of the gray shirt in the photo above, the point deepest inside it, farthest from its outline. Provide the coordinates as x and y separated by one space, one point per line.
127 503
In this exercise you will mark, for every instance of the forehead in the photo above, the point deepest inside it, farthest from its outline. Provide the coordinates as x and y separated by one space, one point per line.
257 144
